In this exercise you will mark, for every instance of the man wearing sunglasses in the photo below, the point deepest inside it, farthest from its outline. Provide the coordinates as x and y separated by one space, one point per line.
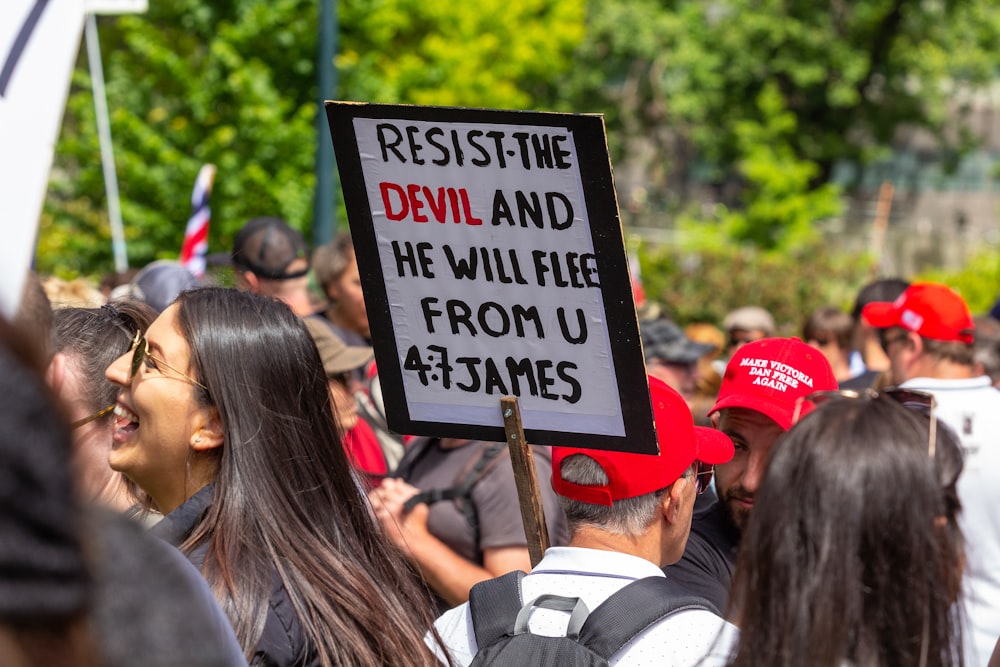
761 396
629 514
928 335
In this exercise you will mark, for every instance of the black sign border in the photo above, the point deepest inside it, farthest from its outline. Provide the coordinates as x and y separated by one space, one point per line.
612 264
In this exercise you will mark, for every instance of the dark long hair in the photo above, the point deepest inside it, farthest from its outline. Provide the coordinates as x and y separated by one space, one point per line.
852 554
285 498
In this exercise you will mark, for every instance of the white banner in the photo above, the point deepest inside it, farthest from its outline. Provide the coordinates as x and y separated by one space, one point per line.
39 40
115 6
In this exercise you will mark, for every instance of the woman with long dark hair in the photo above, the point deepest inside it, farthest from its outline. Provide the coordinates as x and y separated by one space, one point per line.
852 555
224 419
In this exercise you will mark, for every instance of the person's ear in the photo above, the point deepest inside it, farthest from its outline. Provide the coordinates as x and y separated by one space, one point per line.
55 374
209 434
332 290
673 500
248 280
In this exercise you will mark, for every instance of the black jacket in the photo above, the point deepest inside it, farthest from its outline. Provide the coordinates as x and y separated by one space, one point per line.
706 568
283 642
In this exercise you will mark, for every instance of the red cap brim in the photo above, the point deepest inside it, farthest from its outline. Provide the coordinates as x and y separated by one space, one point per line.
714 447
779 412
880 315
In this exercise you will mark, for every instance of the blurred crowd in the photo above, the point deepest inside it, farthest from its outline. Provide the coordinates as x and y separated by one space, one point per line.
204 475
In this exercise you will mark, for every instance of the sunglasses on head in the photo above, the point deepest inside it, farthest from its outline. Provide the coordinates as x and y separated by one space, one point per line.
702 476
141 347
736 340
920 401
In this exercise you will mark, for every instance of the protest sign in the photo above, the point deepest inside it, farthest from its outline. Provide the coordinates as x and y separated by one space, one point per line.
492 262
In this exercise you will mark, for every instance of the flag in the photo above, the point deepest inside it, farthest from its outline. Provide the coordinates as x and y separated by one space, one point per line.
195 245
635 273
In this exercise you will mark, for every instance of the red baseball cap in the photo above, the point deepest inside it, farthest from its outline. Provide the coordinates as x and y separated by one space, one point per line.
771 375
930 309
630 475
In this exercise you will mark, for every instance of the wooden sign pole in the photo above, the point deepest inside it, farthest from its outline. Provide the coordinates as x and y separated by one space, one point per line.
528 493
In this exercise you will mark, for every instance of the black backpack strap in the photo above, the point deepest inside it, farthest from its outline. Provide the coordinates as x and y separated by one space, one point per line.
463 488
495 604
461 492
431 496
414 452
627 613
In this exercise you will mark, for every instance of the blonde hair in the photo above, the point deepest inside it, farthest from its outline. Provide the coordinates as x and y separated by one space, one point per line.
76 293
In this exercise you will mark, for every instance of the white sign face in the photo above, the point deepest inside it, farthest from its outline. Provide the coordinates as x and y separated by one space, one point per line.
38 46
491 277
491 272
115 6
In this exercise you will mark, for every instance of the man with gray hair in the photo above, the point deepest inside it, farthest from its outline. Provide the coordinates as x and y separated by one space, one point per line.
629 515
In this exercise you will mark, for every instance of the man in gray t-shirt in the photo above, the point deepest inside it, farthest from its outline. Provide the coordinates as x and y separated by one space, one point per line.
457 542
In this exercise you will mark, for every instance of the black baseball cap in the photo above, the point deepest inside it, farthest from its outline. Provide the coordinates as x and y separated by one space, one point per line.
662 339
267 246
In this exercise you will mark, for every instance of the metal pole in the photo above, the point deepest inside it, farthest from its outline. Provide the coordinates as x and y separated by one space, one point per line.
107 148
323 214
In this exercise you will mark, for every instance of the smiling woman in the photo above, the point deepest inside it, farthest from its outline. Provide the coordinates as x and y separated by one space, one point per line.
224 418
163 432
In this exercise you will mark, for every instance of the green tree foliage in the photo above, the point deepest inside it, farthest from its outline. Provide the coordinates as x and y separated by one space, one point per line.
978 281
778 204
233 82
757 99
490 53
702 285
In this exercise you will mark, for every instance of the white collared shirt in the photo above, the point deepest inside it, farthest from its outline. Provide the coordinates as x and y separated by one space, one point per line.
971 407
682 639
